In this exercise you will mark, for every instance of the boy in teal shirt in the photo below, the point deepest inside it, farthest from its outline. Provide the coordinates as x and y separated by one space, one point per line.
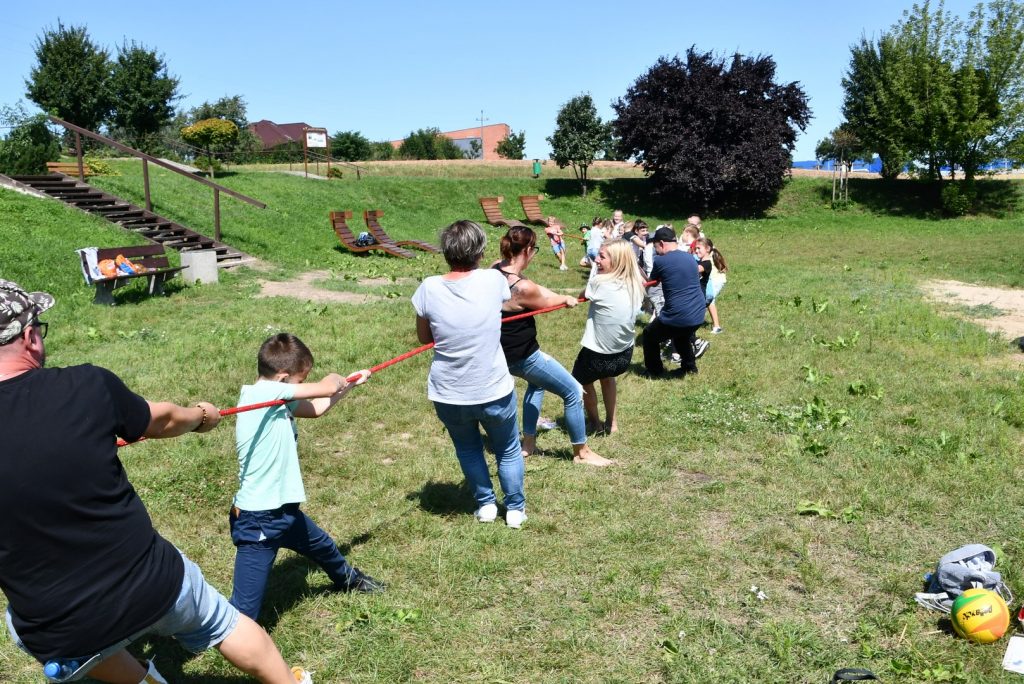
265 516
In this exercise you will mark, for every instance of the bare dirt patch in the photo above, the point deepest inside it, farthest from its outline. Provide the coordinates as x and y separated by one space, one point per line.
304 288
1010 304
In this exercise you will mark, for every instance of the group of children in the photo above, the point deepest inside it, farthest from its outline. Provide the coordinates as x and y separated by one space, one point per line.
710 263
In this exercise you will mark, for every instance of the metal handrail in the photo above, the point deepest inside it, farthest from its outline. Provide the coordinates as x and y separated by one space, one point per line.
146 159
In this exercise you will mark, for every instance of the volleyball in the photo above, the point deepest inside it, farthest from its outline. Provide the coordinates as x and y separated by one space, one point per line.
980 615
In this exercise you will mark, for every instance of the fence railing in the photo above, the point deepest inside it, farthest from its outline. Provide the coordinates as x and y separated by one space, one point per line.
148 159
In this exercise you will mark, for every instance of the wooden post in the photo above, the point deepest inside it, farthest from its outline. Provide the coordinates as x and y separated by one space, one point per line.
216 214
145 184
78 153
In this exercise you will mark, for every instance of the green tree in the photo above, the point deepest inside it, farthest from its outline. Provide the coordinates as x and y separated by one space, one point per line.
247 146
940 91
877 100
71 77
512 146
382 151
209 134
143 93
579 137
29 145
350 146
428 143
841 146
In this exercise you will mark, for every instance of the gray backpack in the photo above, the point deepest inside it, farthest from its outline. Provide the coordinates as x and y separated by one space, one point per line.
970 566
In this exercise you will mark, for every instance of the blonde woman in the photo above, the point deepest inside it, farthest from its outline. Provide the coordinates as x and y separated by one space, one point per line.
615 293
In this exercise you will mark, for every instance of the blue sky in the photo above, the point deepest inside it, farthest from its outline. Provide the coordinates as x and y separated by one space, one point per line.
387 68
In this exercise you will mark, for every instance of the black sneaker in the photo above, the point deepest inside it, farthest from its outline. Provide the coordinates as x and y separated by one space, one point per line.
699 347
363 584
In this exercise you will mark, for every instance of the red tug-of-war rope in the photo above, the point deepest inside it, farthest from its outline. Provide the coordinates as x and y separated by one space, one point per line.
379 366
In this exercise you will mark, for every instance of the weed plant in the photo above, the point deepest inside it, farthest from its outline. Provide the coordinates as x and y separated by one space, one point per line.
769 519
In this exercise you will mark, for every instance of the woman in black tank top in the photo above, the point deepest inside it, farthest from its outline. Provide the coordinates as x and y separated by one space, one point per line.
523 354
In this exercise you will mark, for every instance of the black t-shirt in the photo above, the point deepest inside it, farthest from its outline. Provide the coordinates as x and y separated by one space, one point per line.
705 274
80 562
518 338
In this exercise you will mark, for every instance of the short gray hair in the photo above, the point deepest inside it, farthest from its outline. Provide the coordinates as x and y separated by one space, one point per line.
463 244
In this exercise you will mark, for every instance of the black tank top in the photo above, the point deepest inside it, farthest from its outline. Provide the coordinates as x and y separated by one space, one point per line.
518 338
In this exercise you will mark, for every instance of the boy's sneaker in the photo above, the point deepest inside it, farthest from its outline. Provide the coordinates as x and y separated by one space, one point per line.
486 513
361 583
699 347
717 329
515 519
301 676
563 267
546 424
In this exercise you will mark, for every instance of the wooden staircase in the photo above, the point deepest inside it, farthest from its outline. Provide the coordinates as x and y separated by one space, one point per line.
153 227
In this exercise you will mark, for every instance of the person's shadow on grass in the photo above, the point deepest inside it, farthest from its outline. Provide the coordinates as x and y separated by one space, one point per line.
444 498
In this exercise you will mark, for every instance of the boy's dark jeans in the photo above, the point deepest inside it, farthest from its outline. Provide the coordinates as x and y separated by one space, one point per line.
258 535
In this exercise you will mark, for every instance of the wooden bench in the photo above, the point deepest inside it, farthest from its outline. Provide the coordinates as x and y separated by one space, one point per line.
67 168
348 239
492 212
370 217
153 257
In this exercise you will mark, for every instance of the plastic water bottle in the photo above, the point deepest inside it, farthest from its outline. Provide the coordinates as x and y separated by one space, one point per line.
58 670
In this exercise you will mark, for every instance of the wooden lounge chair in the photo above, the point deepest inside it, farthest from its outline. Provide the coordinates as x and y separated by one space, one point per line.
531 207
339 221
492 212
379 235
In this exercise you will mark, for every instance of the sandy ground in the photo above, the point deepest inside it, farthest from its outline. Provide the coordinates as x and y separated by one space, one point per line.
304 289
1010 302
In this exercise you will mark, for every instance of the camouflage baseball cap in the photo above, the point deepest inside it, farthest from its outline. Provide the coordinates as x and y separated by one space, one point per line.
18 308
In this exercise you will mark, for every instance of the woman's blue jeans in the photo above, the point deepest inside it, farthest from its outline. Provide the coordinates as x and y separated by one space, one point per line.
498 419
542 372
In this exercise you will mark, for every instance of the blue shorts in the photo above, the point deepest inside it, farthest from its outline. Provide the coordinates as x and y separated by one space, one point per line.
201 618
557 247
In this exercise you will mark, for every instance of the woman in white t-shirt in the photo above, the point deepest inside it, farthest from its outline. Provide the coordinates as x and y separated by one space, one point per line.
615 293
469 382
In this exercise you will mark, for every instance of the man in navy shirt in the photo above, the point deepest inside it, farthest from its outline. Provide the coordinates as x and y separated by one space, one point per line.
684 307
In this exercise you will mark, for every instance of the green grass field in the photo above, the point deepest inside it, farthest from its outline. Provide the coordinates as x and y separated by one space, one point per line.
836 389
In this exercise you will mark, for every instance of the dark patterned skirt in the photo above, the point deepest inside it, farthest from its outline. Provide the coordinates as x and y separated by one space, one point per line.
591 366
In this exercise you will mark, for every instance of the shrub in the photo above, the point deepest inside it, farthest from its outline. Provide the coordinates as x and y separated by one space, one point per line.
958 198
335 172
98 167
28 147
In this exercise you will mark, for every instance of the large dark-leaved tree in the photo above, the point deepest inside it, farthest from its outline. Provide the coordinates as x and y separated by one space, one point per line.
71 77
714 133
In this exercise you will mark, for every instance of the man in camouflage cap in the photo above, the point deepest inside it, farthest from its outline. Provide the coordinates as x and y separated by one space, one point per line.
19 309
84 572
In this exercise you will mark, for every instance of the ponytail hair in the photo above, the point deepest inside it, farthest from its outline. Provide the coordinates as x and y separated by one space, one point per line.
516 240
716 256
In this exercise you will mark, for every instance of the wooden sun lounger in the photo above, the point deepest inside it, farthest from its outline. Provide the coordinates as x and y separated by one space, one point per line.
339 221
371 216
492 212
531 207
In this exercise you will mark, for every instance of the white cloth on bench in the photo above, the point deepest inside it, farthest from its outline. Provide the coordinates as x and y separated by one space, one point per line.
90 266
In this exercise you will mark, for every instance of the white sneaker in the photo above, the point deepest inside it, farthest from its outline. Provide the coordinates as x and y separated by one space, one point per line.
301 676
563 267
486 513
717 329
515 519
